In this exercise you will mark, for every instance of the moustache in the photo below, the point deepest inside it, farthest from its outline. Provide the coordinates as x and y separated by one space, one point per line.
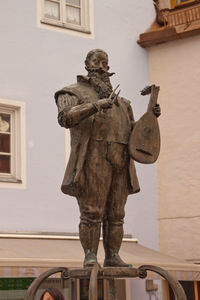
99 71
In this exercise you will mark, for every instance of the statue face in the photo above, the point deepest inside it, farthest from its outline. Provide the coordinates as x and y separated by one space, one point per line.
99 61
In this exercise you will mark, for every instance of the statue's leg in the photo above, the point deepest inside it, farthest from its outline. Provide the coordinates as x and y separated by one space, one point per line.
114 219
97 182
89 234
112 238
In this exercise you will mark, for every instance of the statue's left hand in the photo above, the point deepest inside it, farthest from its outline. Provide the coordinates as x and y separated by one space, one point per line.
157 110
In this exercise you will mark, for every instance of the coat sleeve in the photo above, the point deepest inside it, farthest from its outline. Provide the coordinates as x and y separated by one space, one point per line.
70 112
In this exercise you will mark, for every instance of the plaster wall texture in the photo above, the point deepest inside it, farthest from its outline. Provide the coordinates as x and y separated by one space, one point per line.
175 66
35 62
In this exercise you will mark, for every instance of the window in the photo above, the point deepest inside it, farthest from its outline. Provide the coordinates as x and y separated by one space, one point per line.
11 141
71 14
84 289
179 2
191 289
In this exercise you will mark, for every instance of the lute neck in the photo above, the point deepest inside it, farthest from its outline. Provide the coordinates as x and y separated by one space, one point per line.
154 97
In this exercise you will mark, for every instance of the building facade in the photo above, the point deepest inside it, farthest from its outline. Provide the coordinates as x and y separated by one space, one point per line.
173 42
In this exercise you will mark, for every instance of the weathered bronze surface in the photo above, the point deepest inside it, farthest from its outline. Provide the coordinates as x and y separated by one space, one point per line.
101 171
105 273
33 288
144 143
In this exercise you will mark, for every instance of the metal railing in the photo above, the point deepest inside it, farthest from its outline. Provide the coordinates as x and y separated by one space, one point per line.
182 17
107 273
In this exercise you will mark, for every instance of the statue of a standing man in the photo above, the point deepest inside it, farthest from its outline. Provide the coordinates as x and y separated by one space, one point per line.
100 172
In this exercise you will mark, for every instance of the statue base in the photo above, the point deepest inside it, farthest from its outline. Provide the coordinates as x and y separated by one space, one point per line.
109 273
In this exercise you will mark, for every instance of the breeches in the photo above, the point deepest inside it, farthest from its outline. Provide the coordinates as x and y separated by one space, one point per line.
106 183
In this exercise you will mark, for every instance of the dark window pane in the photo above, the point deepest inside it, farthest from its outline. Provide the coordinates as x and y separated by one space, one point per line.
4 164
4 122
84 289
198 287
4 142
100 289
188 287
181 1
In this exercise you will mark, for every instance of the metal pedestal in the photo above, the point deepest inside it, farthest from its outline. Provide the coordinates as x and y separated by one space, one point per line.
108 273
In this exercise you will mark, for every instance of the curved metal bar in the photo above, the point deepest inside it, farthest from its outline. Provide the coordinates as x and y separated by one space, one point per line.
175 285
31 292
93 283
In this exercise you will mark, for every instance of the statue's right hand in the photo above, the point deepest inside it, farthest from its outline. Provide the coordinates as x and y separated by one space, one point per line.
103 104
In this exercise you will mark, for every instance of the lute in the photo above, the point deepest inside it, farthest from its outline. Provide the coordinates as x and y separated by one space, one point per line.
144 143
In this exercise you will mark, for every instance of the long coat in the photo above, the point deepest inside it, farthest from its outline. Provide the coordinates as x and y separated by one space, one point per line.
73 181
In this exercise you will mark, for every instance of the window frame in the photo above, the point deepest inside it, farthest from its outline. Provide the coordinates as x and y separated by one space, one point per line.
85 25
12 153
16 110
174 4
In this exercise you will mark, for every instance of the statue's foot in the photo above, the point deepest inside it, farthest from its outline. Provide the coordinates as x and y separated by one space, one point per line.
90 259
115 261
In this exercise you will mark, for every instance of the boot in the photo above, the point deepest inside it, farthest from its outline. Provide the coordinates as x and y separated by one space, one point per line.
90 259
115 261
89 234
112 239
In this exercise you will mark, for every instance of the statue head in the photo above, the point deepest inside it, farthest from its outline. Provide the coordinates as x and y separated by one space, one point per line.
97 60
96 64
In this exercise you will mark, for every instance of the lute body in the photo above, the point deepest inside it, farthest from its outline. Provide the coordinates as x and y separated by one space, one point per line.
144 143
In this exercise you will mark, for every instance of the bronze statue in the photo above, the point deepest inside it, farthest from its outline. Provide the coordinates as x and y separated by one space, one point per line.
100 172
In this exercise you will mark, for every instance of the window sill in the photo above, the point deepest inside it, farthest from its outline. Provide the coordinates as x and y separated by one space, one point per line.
11 180
65 26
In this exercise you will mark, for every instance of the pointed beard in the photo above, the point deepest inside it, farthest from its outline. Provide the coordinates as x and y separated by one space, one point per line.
101 83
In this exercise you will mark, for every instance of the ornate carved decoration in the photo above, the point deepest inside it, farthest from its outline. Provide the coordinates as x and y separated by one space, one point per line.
159 16
180 22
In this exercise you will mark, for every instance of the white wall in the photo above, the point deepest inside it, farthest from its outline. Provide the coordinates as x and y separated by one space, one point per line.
175 66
